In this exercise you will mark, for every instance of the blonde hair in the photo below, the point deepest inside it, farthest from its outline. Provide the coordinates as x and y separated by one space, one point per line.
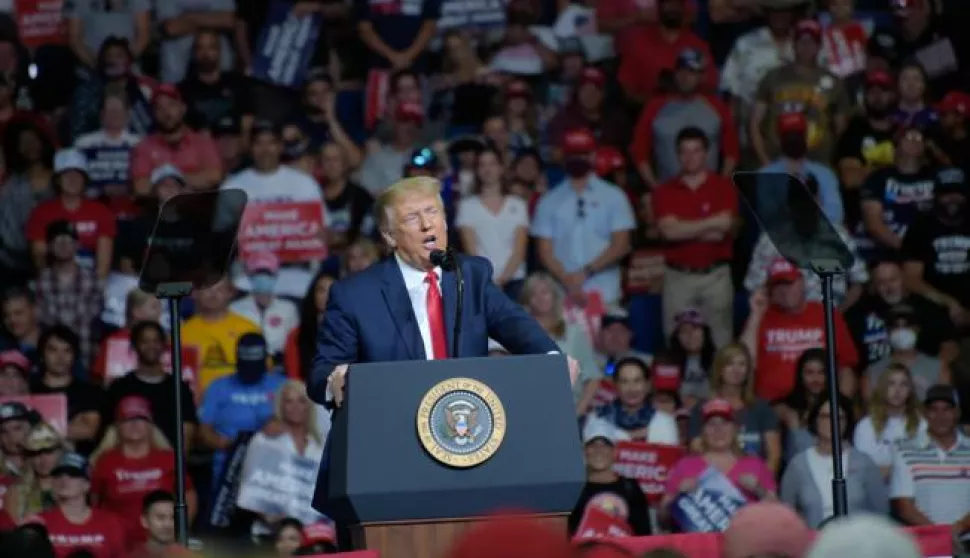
558 296
135 299
300 388
111 441
395 193
27 496
722 359
878 408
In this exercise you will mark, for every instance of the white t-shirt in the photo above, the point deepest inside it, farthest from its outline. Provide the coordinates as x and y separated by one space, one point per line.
663 429
495 233
880 448
276 321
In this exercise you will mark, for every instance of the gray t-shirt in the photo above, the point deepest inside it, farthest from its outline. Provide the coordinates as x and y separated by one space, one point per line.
925 372
176 52
383 167
106 18
755 420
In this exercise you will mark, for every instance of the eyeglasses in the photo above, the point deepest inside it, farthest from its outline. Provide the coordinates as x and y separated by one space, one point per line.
581 208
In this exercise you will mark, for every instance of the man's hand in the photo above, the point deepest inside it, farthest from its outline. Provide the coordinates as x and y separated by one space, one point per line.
335 384
574 369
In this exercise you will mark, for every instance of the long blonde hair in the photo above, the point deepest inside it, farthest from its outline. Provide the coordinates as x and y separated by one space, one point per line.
112 441
27 495
722 359
558 297
878 408
313 430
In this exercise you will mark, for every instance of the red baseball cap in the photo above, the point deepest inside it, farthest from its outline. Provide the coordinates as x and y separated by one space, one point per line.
262 261
578 141
15 359
782 271
665 377
409 112
608 160
166 90
717 408
518 89
792 122
133 407
593 75
880 78
321 532
954 101
808 27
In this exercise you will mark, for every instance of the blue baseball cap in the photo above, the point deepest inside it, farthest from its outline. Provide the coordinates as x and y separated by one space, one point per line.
251 355
72 464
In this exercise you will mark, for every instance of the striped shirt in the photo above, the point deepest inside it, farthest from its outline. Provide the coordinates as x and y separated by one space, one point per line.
937 479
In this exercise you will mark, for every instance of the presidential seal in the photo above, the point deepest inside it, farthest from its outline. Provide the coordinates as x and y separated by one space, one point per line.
461 422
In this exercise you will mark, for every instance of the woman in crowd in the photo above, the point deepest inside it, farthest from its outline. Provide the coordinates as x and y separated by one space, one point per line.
719 449
912 110
298 435
521 114
894 417
14 371
360 255
462 96
807 482
495 224
810 384
288 537
631 410
301 343
139 307
732 379
43 448
692 346
134 460
543 298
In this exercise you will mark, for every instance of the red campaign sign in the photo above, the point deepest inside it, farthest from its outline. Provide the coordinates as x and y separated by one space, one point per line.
294 231
41 22
605 393
121 359
597 523
647 464
53 407
589 316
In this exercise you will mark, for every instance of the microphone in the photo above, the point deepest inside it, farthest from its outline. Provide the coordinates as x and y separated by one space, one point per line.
447 260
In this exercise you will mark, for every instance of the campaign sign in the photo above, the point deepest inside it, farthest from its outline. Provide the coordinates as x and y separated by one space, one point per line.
710 507
597 523
277 483
52 407
285 46
41 22
605 393
590 315
120 359
472 14
294 231
648 464
107 165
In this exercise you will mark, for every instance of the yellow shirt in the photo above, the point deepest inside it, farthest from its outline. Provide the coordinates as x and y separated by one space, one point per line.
215 342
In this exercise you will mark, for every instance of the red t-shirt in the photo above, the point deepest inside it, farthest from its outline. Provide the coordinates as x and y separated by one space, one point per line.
783 337
193 153
650 54
121 483
6 522
101 534
92 220
676 199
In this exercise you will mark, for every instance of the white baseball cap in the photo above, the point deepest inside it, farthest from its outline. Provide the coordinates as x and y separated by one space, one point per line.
166 171
600 428
70 159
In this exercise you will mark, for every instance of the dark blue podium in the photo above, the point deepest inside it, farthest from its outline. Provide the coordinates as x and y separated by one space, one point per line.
422 449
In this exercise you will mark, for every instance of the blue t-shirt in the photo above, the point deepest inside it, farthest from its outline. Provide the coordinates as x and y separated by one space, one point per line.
396 22
231 407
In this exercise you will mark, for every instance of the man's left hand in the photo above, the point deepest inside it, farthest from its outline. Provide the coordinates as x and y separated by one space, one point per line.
573 370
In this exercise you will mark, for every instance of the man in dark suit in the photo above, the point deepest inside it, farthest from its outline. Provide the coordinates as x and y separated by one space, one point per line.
403 308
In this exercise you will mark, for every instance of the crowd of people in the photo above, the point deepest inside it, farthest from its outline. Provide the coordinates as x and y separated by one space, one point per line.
586 149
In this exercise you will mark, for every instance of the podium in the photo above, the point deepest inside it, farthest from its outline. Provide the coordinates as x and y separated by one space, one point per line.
421 450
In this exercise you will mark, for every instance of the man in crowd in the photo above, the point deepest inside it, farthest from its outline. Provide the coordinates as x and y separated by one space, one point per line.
184 25
14 369
867 142
210 92
158 519
385 162
21 323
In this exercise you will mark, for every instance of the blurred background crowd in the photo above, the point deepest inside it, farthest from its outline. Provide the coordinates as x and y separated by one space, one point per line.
586 149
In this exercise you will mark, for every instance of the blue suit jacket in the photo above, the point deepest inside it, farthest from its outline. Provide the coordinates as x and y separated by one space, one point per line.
369 319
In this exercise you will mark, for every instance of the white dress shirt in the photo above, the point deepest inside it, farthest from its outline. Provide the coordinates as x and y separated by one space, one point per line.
418 292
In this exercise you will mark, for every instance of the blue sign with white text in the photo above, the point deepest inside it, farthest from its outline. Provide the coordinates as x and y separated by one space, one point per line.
286 45
710 507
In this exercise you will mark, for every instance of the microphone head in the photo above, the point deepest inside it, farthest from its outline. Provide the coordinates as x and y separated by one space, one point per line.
444 259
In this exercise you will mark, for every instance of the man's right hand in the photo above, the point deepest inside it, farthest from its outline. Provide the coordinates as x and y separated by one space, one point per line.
335 383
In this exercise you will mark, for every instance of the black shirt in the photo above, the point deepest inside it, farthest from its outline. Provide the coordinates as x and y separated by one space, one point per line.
868 145
904 197
944 251
161 397
351 214
623 488
866 321
209 102
81 396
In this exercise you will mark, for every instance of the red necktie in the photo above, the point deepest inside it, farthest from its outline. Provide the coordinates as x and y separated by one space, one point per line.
436 317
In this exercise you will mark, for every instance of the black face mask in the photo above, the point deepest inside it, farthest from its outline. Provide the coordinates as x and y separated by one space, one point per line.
249 376
577 167
794 146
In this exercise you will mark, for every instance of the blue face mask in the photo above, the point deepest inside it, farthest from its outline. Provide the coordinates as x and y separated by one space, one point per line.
262 283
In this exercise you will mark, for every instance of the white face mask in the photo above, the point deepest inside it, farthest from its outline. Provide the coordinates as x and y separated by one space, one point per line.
902 339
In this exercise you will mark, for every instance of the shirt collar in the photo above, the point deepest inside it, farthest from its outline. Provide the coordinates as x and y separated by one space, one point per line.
413 277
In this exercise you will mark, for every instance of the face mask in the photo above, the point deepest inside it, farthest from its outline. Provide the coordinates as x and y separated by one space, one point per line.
250 375
902 339
794 146
578 167
262 283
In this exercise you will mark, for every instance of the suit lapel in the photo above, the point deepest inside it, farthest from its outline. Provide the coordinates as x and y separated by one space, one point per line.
399 305
449 293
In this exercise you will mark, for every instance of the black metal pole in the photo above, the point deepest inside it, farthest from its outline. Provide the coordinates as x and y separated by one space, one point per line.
840 498
181 508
